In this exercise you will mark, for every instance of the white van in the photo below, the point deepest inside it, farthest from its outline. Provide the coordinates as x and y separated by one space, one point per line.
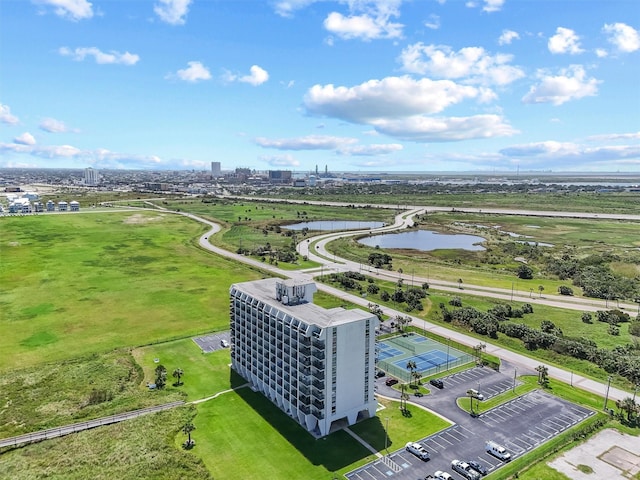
475 394
497 451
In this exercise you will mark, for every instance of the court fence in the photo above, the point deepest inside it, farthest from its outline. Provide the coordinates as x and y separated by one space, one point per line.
413 349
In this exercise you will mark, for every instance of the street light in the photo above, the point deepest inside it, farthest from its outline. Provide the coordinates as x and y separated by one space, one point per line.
515 374
606 397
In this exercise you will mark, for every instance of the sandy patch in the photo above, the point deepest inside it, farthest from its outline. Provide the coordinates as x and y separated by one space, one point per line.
138 218
611 455
14 244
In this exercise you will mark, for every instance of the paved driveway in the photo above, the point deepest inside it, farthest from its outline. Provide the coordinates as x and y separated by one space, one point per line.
519 425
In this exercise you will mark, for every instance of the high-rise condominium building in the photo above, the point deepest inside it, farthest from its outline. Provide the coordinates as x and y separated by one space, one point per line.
216 169
91 177
316 365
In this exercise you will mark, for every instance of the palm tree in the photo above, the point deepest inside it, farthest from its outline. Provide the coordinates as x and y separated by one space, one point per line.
404 396
187 429
540 289
543 375
478 349
177 373
628 405
411 366
460 283
417 376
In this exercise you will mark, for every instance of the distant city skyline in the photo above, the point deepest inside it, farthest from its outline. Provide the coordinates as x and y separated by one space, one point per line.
355 85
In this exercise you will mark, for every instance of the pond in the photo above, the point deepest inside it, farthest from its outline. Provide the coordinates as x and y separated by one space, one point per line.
334 225
425 241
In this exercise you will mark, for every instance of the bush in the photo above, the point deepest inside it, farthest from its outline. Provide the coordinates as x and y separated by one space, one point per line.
634 329
525 272
564 290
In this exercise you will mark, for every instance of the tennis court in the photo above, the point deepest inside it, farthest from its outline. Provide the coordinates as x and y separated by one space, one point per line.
430 357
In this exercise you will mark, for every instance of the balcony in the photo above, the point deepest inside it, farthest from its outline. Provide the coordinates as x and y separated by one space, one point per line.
318 404
317 413
305 399
318 394
318 375
318 384
305 409
306 341
319 344
318 365
306 351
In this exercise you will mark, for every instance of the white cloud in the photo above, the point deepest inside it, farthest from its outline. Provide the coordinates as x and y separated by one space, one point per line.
70 9
280 160
100 57
471 63
52 125
493 5
45 151
601 53
565 41
363 27
371 150
25 139
310 142
6 116
571 84
172 12
615 136
389 97
507 37
433 22
564 153
452 129
257 76
285 8
195 72
623 37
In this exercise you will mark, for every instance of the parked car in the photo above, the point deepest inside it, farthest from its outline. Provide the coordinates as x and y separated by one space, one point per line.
224 343
380 374
464 469
390 382
436 382
497 451
440 475
478 467
475 394
418 450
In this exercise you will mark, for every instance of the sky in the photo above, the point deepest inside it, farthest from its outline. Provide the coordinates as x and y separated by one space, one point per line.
347 85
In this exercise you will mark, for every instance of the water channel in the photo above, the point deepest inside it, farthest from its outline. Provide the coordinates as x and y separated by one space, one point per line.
425 240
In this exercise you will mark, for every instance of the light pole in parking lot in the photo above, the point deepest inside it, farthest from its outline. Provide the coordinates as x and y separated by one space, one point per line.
515 374
448 342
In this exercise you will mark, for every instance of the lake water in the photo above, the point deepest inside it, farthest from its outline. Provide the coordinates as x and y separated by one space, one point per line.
425 240
334 225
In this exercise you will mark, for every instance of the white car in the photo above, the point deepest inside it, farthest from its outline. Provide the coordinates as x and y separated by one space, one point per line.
440 475
224 344
418 450
464 469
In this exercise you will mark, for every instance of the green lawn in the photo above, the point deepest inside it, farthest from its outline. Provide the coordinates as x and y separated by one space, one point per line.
79 284
205 374
243 435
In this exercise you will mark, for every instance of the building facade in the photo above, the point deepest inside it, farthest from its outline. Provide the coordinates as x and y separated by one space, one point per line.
91 177
216 169
316 365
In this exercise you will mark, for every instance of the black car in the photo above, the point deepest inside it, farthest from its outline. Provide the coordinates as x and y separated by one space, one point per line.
478 467
436 382
390 382
380 374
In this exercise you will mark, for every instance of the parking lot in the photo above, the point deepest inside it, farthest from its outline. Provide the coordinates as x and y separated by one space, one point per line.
519 425
213 342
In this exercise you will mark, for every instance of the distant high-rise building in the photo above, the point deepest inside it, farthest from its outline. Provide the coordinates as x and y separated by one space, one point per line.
216 169
91 177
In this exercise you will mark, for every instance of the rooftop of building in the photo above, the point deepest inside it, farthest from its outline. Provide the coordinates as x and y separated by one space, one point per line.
310 313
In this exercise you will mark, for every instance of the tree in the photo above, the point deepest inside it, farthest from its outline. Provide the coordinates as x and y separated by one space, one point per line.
416 376
543 375
478 350
177 374
404 396
460 283
161 376
540 289
587 318
628 405
525 272
564 290
187 429
411 366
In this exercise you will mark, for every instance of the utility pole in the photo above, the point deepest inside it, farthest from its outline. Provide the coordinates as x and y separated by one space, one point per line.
515 374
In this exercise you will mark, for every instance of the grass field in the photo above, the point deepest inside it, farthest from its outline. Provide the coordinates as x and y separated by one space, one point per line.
142 448
80 284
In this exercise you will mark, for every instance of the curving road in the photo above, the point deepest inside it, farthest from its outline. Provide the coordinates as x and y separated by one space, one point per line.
403 220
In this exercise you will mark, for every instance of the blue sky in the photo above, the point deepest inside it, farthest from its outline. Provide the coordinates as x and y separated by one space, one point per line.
356 85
